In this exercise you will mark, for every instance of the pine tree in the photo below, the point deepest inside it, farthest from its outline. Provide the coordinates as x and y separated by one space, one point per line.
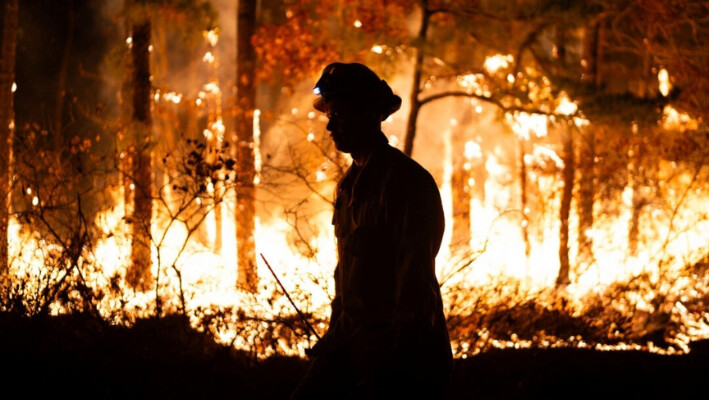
8 41
139 273
246 172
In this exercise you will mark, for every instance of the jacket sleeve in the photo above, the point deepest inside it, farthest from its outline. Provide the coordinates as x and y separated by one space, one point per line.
416 218
336 304
332 339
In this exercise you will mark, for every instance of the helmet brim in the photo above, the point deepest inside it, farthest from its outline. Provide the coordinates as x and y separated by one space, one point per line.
321 105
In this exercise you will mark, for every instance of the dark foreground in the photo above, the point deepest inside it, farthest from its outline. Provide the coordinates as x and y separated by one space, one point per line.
76 357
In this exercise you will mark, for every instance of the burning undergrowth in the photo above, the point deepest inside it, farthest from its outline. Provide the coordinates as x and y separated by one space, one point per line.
612 318
72 249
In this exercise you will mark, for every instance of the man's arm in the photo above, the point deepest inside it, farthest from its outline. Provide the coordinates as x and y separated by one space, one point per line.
418 225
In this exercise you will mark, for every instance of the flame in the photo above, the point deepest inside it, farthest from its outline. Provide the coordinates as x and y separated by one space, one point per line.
472 150
257 146
663 78
212 88
207 277
173 97
566 106
676 120
498 62
189 267
212 36
525 124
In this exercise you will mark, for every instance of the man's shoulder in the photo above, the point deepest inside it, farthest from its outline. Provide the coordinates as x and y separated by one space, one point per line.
405 164
410 183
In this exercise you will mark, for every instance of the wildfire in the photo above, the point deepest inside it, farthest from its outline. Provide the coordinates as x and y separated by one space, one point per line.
196 275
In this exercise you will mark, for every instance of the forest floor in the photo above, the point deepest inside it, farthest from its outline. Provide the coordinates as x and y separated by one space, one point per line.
78 357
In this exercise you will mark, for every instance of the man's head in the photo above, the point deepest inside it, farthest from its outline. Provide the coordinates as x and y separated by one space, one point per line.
356 100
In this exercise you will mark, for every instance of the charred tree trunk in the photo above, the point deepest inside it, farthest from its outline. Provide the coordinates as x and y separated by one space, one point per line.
139 274
587 172
569 172
637 171
569 168
7 77
416 85
593 40
246 102
165 119
214 146
125 116
61 82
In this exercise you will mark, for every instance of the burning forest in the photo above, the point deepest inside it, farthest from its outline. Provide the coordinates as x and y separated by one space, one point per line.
155 153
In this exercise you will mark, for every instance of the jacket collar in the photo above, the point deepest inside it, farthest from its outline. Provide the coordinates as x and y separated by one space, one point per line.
366 176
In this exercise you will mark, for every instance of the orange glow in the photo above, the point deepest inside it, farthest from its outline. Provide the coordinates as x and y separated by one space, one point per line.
194 273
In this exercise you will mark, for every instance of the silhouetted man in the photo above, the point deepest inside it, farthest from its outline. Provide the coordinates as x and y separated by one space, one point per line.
387 336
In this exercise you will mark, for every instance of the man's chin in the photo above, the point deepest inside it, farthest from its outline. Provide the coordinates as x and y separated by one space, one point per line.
342 147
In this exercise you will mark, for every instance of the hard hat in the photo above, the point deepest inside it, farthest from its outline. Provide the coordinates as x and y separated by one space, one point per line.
355 81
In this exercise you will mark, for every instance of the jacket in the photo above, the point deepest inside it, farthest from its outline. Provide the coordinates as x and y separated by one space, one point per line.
389 223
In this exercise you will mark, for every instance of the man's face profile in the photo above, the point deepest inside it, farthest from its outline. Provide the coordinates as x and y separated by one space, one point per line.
346 124
349 123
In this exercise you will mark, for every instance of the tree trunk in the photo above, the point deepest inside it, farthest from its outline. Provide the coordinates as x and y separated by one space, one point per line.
480 176
636 172
416 85
586 194
569 172
564 267
637 202
523 198
247 278
587 172
61 81
139 274
7 124
166 120
214 146
461 206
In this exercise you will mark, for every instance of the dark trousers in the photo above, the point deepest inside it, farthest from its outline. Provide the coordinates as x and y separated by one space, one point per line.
328 377
334 376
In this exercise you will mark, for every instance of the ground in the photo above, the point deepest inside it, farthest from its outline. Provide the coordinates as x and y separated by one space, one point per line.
78 357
